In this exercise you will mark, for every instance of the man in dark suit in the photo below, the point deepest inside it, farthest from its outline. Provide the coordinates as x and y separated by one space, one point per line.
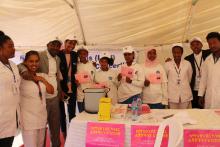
68 67
196 59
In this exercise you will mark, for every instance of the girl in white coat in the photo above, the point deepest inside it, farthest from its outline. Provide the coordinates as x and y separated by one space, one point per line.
33 103
155 85
179 72
131 84
86 67
210 77
107 77
9 88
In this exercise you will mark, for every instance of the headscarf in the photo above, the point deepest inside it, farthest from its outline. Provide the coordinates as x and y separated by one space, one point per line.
148 62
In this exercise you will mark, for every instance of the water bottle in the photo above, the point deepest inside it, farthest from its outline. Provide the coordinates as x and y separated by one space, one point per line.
139 106
134 110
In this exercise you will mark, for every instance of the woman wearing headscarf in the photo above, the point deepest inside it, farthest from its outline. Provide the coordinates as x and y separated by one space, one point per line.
155 84
107 77
131 78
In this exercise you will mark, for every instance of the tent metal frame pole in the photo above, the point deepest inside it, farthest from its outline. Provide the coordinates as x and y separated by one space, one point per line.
188 25
80 21
68 3
189 20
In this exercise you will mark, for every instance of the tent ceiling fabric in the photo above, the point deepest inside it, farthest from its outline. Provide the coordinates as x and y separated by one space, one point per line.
108 22
35 22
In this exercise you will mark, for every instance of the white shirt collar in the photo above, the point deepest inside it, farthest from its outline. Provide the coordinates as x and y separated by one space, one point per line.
198 55
181 62
49 55
133 63
83 63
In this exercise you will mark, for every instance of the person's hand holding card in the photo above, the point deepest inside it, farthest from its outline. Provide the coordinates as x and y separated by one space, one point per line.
82 78
127 72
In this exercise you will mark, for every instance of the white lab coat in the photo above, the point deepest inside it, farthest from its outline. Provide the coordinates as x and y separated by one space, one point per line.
9 100
109 78
210 83
179 93
33 109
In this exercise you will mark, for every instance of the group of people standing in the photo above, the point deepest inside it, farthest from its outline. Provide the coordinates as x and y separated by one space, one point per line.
33 93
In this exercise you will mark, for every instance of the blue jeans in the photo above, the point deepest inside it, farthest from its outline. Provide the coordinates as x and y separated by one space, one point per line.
157 106
130 100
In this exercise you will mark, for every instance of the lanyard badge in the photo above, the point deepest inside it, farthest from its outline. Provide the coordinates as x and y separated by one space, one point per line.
178 71
178 81
15 88
198 67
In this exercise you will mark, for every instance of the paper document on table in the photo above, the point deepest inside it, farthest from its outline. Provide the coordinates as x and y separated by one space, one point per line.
119 110
184 118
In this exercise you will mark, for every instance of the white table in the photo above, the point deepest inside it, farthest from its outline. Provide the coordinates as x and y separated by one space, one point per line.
76 137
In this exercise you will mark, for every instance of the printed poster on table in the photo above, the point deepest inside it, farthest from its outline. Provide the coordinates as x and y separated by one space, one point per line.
145 136
201 138
105 135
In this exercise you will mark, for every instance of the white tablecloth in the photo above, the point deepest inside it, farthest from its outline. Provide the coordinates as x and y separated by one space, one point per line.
76 137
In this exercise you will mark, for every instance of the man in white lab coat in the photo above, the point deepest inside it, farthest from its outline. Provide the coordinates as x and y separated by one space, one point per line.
210 80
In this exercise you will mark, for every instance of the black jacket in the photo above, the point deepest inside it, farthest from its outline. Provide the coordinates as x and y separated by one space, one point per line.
191 59
64 71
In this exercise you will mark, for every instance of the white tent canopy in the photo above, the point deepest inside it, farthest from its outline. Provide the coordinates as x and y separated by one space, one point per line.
108 22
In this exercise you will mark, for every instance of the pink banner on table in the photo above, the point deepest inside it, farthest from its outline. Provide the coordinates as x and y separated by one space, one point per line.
142 136
127 71
105 135
201 138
